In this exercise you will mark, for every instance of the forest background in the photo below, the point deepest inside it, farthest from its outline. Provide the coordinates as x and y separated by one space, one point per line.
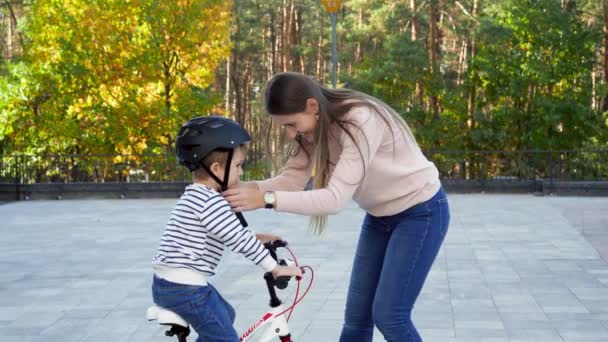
89 85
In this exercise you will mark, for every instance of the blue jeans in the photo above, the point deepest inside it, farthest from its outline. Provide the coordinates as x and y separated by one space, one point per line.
210 315
394 256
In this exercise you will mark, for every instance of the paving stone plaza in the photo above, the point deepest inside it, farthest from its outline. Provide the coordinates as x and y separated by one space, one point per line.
513 268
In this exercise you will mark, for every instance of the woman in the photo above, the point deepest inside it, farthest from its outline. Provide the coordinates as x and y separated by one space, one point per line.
356 147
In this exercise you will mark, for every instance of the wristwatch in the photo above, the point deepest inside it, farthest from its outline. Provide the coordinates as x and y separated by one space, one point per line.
269 199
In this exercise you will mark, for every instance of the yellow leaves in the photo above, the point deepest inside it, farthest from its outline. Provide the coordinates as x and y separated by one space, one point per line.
163 140
131 148
140 146
110 59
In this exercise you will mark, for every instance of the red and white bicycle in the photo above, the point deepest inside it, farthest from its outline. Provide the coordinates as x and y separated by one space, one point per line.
275 320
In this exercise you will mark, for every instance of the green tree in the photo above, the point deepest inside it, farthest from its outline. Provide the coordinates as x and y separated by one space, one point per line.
534 67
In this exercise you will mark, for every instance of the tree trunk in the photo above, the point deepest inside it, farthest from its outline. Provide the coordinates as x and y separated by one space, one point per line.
320 56
414 8
9 39
169 79
433 35
12 23
227 85
358 46
473 86
273 43
419 93
284 29
605 52
462 61
298 39
235 60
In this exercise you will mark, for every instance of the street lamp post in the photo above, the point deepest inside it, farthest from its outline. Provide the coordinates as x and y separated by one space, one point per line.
332 6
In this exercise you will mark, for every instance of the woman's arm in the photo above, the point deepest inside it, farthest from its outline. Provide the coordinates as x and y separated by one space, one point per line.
293 176
250 195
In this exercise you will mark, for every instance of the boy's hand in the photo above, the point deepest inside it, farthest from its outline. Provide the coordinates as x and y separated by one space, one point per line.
286 271
265 237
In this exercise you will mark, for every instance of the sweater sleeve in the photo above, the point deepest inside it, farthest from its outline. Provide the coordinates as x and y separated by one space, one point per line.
293 176
223 223
350 169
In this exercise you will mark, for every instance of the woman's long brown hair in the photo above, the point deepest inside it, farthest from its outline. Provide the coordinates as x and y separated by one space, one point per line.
286 93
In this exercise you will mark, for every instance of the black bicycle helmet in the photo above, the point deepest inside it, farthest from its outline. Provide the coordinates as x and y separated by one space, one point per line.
205 134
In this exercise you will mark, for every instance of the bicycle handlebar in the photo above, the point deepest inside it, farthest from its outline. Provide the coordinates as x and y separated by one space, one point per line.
272 246
281 282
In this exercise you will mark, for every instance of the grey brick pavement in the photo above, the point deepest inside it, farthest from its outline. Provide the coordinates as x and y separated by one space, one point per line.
513 268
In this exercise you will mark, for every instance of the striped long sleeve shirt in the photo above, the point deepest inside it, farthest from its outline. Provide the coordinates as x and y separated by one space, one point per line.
201 226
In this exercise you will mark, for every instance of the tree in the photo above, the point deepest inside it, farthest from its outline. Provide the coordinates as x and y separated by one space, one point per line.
124 75
534 66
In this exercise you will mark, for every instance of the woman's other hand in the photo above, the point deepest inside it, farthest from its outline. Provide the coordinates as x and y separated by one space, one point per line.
286 271
266 237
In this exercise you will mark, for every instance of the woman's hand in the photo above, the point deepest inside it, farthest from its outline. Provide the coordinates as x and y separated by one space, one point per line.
286 271
265 237
248 185
245 197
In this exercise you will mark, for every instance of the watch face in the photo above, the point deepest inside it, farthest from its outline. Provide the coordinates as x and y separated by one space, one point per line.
269 197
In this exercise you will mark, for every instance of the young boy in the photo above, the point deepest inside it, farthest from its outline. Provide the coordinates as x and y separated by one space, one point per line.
202 225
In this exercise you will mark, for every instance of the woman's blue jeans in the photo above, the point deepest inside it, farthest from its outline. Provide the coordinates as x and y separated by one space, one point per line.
209 314
394 256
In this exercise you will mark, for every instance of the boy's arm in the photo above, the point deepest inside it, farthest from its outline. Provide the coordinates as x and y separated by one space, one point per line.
223 223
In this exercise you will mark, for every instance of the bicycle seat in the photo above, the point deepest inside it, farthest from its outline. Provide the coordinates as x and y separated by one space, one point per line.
164 316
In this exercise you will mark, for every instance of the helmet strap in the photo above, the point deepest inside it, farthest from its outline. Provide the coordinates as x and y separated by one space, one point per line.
224 184
212 175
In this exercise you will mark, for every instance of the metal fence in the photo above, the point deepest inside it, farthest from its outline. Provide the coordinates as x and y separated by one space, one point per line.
31 169
74 168
568 165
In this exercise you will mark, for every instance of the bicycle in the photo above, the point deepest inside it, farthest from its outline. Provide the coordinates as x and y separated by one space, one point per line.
274 318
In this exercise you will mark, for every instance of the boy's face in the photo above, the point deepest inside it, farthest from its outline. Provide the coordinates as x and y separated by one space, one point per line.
236 167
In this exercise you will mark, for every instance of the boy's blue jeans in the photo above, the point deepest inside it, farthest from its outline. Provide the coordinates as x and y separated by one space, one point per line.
394 256
210 315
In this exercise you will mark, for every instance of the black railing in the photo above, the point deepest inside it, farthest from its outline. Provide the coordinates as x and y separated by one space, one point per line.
568 165
31 169
456 165
73 168
469 171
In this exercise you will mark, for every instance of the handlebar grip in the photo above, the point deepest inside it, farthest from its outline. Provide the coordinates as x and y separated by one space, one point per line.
279 243
281 282
273 245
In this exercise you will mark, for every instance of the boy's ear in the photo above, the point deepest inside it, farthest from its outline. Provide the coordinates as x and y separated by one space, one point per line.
216 168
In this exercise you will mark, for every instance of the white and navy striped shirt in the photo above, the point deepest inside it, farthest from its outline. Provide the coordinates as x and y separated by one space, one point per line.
202 224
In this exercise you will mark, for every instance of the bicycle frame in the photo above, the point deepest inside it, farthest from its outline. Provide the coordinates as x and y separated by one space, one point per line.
276 327
274 320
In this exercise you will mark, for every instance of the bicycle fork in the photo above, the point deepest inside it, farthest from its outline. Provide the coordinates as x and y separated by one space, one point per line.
278 324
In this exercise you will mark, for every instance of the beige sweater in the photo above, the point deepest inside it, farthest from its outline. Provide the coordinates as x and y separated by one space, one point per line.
392 176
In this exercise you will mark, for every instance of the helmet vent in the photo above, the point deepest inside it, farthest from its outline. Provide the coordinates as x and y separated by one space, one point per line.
188 132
